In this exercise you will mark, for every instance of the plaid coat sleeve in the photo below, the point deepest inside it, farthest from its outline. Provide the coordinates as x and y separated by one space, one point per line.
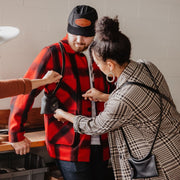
106 121
21 105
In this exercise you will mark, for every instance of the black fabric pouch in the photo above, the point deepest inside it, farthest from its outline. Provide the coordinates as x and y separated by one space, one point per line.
49 103
143 168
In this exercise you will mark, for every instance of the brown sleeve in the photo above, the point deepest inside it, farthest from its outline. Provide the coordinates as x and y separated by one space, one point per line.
14 87
27 86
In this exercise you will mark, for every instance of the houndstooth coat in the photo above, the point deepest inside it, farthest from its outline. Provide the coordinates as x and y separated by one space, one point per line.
137 110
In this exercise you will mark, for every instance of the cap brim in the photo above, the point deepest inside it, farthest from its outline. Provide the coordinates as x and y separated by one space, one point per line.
86 31
7 33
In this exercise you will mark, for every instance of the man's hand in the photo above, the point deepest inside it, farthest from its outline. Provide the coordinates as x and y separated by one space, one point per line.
22 147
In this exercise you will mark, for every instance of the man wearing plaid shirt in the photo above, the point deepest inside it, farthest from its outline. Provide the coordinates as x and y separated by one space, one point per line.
78 156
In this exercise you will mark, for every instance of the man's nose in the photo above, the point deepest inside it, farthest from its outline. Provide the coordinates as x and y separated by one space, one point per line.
79 39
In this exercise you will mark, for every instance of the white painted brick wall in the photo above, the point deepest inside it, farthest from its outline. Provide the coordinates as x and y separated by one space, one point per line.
153 27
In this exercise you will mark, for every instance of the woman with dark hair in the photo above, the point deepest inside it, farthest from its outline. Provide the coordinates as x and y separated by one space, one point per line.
139 103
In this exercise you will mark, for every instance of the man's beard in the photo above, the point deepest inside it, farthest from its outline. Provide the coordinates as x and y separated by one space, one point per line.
81 48
75 46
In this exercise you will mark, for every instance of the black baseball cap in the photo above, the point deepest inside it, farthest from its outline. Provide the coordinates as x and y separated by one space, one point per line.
82 20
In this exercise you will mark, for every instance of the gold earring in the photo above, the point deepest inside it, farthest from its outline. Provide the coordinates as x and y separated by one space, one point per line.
108 75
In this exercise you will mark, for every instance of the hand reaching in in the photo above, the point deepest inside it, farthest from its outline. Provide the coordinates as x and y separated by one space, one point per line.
49 77
63 116
52 76
95 95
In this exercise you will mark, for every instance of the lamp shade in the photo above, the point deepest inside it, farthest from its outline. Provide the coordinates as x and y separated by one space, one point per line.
7 33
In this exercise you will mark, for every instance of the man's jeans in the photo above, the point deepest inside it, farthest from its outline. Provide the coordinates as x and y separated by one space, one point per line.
96 169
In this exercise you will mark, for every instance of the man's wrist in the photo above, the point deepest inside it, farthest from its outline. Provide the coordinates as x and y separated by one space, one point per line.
16 137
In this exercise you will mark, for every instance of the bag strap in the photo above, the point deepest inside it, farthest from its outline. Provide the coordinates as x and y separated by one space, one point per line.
161 110
151 89
62 69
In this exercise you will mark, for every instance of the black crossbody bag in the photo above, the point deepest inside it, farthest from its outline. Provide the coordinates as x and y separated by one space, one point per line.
49 102
145 167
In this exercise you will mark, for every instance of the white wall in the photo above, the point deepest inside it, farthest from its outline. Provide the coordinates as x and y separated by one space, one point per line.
153 27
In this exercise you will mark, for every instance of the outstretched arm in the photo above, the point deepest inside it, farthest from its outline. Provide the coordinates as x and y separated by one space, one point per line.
50 77
92 94
14 87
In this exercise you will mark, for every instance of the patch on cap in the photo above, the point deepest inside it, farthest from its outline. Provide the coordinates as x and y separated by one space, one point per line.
82 22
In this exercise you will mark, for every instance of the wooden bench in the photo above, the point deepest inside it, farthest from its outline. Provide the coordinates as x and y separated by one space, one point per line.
35 119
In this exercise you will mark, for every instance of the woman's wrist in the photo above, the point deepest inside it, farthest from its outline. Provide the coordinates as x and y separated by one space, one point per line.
104 97
38 82
69 116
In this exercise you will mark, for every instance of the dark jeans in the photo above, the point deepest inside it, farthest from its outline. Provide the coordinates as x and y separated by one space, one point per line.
96 169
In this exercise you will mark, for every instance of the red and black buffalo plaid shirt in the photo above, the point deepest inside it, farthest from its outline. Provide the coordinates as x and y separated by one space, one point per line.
61 140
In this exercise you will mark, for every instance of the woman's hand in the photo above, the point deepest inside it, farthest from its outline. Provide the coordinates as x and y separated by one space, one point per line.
95 95
59 115
52 77
62 116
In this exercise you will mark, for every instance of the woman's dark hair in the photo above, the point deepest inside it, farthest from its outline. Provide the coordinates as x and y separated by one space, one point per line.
110 43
